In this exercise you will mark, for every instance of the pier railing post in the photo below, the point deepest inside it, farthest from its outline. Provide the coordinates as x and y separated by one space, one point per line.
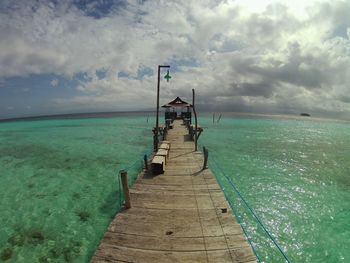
195 119
165 131
146 161
206 153
124 177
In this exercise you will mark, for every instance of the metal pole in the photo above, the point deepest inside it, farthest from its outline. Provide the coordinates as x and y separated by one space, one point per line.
157 118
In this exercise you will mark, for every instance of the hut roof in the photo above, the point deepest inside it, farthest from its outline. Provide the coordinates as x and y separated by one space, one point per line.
177 103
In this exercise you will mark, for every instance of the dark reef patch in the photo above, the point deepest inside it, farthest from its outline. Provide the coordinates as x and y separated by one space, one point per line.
83 215
6 253
66 251
109 203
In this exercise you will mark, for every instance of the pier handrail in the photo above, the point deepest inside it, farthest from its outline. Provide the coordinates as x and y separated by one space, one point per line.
250 209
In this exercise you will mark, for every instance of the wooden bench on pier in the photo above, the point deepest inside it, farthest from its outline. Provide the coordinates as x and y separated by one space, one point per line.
158 163
165 145
160 158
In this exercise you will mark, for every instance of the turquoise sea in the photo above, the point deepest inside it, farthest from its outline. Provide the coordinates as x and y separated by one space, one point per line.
295 175
59 184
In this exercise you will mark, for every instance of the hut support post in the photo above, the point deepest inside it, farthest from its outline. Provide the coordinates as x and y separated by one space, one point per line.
195 119
124 177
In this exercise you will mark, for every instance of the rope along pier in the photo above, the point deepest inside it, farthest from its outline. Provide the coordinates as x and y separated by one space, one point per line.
214 163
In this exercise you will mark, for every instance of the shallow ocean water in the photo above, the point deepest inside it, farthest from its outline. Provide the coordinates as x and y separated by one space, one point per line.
59 184
295 175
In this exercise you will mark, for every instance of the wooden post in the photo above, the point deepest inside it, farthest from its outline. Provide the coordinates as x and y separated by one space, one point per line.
195 119
206 153
155 141
155 138
165 130
124 177
219 119
146 162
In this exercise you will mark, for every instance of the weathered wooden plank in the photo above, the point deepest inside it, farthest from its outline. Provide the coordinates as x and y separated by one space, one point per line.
110 252
164 191
167 242
114 253
178 216
165 145
170 242
178 180
244 254
163 152
175 188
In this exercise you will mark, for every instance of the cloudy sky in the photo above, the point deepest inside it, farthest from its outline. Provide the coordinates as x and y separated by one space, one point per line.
261 56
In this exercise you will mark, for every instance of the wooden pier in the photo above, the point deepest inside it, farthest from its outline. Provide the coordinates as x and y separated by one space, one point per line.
178 216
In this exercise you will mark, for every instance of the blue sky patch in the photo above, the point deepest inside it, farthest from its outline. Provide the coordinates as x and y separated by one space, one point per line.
177 63
141 73
101 73
100 8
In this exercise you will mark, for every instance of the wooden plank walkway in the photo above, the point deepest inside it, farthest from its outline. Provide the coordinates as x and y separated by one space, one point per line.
178 216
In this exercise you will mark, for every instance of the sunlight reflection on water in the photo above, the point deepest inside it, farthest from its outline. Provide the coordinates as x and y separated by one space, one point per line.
294 176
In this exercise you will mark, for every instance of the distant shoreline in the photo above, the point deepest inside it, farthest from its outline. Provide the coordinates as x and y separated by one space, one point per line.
79 115
152 112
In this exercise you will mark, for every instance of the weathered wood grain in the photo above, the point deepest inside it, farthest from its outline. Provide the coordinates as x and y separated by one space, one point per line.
178 216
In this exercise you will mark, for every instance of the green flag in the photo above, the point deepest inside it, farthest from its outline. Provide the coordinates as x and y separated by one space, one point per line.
167 76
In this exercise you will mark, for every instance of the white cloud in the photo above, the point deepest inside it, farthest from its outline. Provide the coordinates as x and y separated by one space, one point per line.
263 55
54 82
